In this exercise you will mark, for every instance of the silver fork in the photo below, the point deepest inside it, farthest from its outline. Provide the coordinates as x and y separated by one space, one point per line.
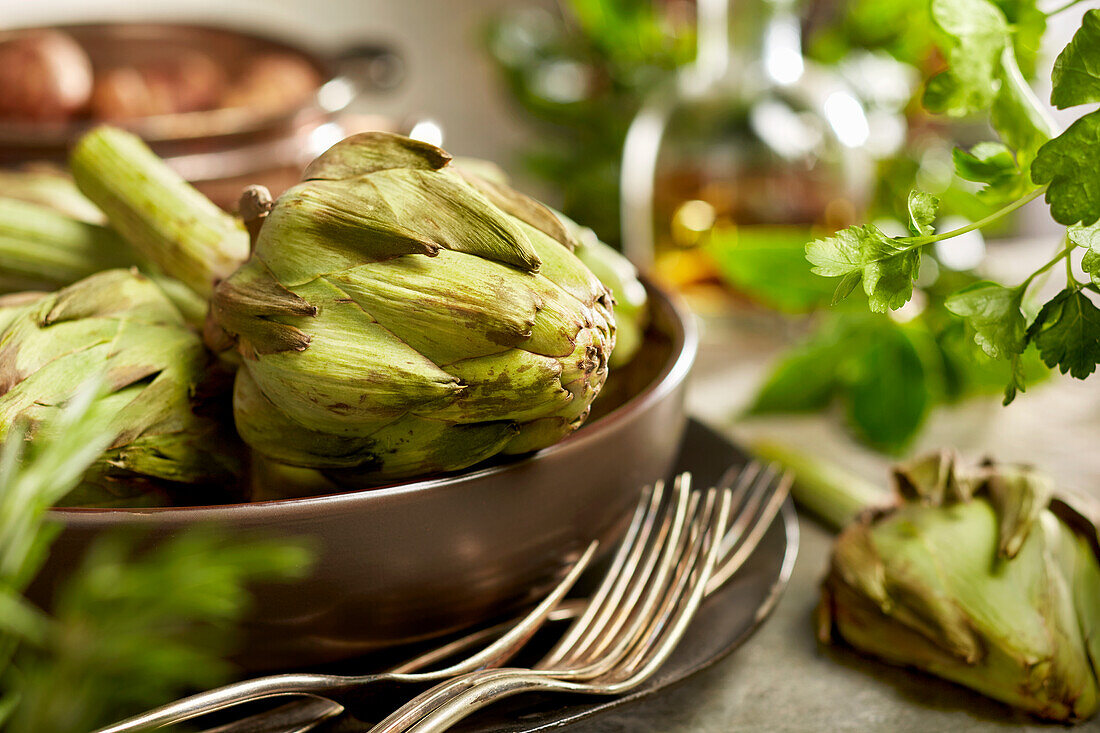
629 628
758 494
329 686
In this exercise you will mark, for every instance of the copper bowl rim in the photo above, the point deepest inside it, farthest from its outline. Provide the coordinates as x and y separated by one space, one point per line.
685 342
213 123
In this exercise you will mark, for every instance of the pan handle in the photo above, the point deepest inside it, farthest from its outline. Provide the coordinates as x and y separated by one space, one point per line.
361 69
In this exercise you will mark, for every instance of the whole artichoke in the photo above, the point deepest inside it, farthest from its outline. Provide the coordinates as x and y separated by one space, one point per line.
401 317
119 324
978 577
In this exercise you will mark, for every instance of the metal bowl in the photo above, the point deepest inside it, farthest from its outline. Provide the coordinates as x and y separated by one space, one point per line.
219 150
414 560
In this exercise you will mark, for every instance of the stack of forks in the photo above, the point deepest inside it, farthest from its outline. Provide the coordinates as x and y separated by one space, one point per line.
681 545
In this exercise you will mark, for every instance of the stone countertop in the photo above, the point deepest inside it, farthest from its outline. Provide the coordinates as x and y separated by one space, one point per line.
782 679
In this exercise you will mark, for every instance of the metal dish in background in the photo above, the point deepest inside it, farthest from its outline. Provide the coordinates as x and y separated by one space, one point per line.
220 150
419 559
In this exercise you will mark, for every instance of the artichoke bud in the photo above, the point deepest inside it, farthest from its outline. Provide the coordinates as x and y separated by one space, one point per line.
978 577
120 324
613 269
419 316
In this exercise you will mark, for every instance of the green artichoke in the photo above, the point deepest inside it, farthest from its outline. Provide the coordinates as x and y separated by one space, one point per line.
976 576
612 268
157 371
43 249
52 189
400 317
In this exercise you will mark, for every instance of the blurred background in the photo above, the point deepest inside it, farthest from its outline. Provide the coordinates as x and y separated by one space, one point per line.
709 140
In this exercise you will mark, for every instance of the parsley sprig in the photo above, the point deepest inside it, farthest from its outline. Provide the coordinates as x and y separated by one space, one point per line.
1030 159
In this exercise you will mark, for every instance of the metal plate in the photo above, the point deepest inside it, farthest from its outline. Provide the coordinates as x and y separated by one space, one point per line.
725 621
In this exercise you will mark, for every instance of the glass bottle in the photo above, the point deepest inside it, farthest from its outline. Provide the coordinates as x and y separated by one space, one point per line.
751 139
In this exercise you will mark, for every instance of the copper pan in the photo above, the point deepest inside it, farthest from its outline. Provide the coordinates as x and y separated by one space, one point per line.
220 150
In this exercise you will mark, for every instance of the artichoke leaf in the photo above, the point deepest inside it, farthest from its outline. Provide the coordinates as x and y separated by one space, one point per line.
360 372
522 207
370 152
450 307
514 385
335 225
443 209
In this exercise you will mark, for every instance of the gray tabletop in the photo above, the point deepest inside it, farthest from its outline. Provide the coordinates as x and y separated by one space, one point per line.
782 679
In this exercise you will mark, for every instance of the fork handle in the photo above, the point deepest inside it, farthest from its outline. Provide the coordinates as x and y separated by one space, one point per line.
484 693
225 697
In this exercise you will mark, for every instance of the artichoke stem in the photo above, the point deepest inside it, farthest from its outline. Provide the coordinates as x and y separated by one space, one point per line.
824 489
165 219
255 204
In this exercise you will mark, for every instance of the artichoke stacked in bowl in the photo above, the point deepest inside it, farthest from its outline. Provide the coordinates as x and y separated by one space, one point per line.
392 315
398 317
117 325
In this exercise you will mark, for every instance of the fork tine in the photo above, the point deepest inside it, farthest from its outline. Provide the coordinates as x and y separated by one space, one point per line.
635 614
616 581
507 645
626 558
686 559
741 539
698 568
630 602
747 499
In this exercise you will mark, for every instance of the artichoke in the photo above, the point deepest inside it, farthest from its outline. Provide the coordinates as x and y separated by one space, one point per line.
978 577
157 372
399 317
50 188
43 249
612 268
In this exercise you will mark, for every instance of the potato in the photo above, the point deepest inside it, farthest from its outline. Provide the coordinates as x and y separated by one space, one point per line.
189 82
44 75
273 82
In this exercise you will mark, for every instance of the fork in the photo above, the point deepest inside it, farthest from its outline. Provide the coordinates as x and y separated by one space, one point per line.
329 686
758 493
631 625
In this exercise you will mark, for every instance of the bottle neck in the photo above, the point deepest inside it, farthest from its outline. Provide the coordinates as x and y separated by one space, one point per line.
762 34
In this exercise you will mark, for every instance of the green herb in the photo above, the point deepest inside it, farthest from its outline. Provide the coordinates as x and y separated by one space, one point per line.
1076 74
580 75
1067 332
768 264
130 629
1030 160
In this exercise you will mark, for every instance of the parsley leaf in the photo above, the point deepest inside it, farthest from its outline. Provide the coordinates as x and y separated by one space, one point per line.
888 393
1016 382
977 32
1076 73
805 379
922 212
1070 163
886 267
1089 238
768 263
993 311
994 165
1067 333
